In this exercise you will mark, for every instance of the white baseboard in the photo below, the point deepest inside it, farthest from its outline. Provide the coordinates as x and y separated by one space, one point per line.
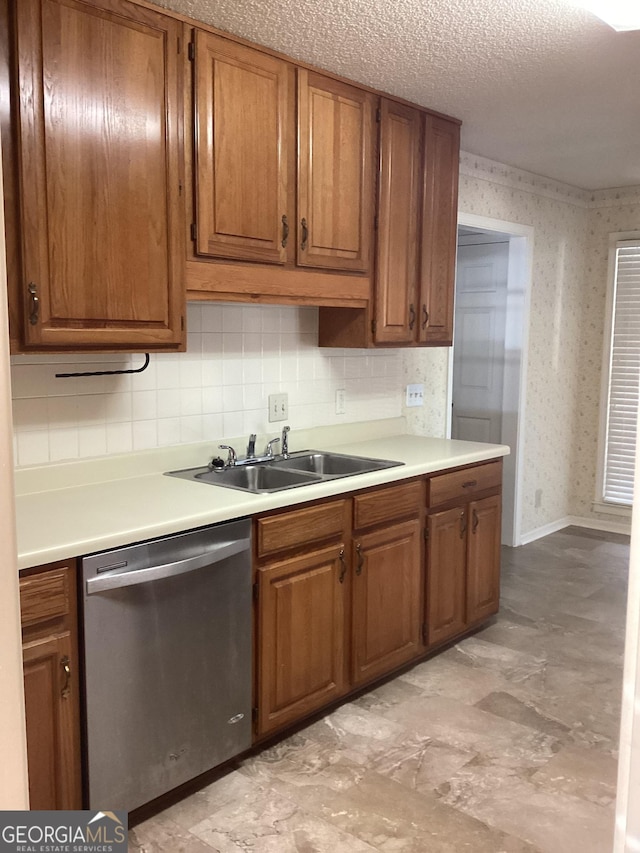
623 527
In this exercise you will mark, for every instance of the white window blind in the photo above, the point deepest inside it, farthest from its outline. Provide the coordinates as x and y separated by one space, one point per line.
624 377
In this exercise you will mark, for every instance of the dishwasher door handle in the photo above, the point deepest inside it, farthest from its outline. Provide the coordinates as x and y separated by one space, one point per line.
167 570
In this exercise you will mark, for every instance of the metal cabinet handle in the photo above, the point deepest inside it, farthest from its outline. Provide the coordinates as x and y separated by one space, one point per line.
463 524
66 668
118 579
469 484
360 559
476 521
425 316
34 304
285 230
343 566
412 317
305 234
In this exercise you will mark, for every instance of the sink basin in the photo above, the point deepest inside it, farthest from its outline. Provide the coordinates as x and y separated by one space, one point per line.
250 478
331 465
300 469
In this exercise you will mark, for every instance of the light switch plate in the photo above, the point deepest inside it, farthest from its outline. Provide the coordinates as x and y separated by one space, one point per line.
278 407
415 395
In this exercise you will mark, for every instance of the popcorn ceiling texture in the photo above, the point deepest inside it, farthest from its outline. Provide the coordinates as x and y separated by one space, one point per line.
531 80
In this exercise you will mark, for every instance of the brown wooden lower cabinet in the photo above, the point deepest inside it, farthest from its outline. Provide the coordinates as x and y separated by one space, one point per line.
463 551
446 569
301 614
51 687
483 558
306 655
387 594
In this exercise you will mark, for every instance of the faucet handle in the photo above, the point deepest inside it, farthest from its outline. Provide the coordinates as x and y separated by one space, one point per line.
251 447
284 447
268 451
232 457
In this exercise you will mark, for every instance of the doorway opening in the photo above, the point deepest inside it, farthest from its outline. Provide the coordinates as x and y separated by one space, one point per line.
487 363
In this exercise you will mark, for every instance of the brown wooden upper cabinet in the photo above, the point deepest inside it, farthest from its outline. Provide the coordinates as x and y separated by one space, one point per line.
397 271
242 152
335 174
412 301
99 109
439 230
259 196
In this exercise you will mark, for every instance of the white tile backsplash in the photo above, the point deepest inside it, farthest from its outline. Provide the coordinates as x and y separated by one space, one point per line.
236 356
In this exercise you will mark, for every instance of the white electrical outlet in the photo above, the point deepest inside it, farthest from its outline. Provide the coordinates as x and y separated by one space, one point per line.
415 395
278 407
340 402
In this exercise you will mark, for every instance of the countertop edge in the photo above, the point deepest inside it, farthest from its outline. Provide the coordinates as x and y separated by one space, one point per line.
68 523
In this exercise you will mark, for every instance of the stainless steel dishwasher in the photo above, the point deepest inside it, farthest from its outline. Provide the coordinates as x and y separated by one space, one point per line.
167 644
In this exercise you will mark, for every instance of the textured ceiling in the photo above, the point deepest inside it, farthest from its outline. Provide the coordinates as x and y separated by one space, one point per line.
538 84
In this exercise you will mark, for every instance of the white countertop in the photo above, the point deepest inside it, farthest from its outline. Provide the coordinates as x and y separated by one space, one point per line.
67 511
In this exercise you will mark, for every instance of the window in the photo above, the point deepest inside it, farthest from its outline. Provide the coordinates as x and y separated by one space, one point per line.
621 372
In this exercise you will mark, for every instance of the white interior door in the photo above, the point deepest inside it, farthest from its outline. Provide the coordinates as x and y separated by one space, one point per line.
479 336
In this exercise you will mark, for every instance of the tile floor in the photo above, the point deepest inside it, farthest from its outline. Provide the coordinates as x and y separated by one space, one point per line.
504 742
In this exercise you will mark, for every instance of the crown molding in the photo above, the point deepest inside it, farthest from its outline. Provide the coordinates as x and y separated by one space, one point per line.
481 168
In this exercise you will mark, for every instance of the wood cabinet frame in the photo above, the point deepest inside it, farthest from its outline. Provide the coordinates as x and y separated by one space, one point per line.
48 604
463 550
139 304
354 548
336 280
366 542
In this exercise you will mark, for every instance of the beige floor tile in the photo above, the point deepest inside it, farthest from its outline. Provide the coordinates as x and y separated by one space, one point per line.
271 823
585 773
552 821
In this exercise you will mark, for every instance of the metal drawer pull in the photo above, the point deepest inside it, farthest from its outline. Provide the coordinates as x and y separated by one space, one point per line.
34 304
476 521
285 230
66 667
360 559
469 484
463 524
305 234
343 569
425 317
412 317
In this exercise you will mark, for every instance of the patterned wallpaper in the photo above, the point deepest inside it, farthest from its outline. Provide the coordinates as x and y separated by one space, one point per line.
564 355
614 213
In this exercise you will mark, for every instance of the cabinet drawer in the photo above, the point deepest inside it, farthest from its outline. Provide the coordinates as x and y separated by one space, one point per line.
44 596
305 526
387 503
464 484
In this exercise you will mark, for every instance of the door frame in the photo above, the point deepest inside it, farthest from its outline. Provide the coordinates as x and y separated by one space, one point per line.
520 267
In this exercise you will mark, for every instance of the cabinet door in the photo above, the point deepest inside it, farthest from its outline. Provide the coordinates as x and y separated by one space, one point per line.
242 150
335 174
100 159
398 210
53 749
387 599
51 686
439 230
446 570
483 559
301 630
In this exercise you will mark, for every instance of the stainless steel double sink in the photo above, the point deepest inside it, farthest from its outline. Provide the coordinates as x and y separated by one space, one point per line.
303 468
